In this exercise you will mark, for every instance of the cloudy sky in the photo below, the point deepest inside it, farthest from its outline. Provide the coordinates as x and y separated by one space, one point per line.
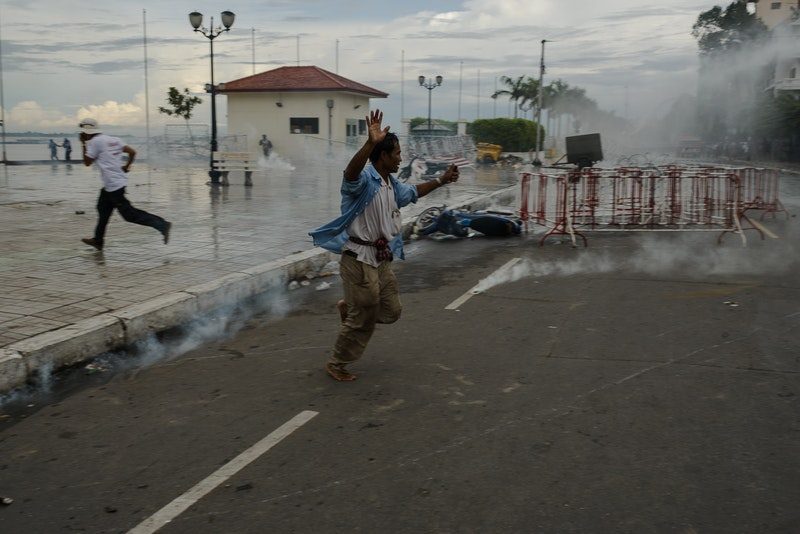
63 60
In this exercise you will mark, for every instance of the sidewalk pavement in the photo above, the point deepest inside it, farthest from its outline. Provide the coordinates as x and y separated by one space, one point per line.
61 302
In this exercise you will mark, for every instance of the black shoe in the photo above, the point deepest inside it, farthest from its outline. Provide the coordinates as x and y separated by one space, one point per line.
92 243
167 228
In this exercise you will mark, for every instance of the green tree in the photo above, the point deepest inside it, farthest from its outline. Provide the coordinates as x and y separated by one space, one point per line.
516 89
777 116
729 84
182 105
725 30
561 100
530 93
514 135
554 100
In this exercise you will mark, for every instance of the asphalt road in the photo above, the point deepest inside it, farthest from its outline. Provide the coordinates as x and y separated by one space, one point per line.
645 384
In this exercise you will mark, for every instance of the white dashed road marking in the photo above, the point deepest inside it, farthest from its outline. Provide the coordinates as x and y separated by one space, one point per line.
204 487
475 291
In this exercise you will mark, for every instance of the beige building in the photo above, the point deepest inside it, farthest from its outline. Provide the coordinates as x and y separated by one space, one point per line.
298 109
783 19
773 12
787 62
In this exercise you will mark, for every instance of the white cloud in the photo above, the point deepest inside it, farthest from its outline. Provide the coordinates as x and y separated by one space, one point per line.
114 113
494 13
30 115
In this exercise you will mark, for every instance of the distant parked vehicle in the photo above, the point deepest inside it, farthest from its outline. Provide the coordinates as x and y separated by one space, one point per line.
488 152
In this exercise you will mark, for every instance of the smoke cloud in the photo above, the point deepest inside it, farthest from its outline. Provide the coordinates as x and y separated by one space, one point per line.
692 256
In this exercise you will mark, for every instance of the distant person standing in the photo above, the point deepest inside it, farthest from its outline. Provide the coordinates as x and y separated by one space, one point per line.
266 145
67 149
53 147
107 151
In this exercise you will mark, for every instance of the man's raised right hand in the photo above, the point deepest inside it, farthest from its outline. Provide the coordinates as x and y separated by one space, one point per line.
376 134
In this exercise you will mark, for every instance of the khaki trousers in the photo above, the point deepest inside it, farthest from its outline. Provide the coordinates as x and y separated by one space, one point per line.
372 296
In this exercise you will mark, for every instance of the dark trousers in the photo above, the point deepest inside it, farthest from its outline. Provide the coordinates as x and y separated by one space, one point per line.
116 199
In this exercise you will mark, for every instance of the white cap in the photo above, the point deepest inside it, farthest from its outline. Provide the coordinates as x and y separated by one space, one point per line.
89 126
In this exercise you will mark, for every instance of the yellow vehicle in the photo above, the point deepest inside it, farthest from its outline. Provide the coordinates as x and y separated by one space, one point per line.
488 153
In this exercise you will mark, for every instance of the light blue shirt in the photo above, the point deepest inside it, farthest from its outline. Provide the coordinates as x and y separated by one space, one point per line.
356 195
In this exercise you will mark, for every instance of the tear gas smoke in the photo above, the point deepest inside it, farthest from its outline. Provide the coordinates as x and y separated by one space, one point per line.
693 256
219 324
726 103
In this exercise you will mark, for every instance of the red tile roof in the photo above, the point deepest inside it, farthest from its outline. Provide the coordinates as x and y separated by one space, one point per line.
302 79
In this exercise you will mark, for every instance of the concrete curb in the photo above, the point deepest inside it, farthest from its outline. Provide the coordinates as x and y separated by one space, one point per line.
91 337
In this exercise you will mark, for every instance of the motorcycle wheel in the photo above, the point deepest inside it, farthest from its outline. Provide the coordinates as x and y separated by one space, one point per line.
427 221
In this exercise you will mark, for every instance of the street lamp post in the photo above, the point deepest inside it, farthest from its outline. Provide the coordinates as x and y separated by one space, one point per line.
430 86
196 20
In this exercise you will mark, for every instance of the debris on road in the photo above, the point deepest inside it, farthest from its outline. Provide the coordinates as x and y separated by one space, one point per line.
323 286
329 269
95 367
5 501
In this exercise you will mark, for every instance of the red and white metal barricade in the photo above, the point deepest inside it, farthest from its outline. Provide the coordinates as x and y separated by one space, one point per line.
670 198
760 190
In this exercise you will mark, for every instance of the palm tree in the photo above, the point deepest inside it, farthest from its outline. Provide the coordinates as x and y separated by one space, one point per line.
530 94
516 89
555 100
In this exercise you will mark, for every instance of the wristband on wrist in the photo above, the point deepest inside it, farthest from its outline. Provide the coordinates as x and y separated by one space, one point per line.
439 179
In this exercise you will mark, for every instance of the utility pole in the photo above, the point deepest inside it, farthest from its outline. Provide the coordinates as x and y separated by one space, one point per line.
402 85
2 106
460 83
479 93
536 161
253 47
146 89
494 100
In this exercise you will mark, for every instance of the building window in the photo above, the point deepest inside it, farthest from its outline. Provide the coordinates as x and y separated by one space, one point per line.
304 125
793 73
775 5
362 127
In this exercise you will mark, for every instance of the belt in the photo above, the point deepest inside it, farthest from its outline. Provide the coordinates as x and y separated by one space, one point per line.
382 250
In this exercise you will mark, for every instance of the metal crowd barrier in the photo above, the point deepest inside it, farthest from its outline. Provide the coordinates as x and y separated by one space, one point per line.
667 198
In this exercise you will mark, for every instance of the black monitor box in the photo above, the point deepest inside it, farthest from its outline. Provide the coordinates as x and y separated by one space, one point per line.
584 150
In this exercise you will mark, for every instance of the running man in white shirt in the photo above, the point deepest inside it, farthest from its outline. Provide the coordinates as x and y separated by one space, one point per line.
107 152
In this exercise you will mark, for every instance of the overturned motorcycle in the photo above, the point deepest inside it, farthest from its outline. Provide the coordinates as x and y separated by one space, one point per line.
459 223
